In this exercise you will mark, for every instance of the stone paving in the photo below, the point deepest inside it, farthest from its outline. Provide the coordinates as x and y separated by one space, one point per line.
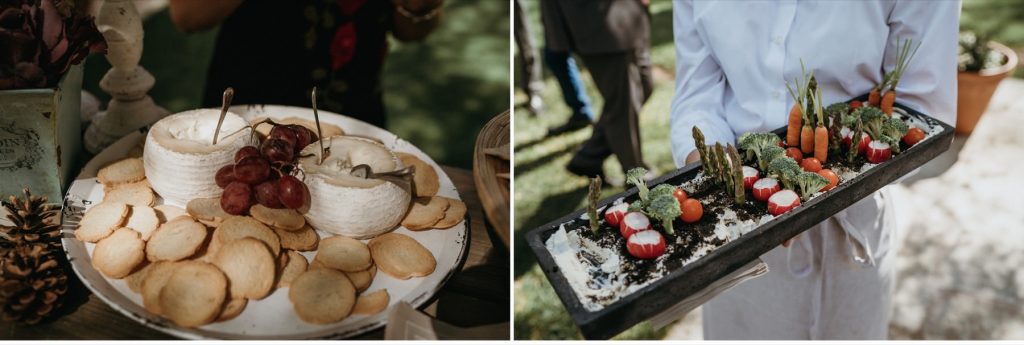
960 273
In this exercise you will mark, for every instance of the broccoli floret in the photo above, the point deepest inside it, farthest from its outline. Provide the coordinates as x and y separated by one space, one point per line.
768 155
756 143
664 207
784 169
837 109
892 131
635 177
872 119
810 183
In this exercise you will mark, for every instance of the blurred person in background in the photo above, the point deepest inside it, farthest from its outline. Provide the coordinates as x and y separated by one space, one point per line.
562 66
274 52
528 57
834 281
612 37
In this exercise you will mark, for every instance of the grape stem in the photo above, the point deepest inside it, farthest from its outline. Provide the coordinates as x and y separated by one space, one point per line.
319 133
229 94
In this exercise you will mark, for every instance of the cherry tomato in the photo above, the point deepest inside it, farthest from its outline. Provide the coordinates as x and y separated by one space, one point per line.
913 136
691 210
833 179
680 195
811 164
794 153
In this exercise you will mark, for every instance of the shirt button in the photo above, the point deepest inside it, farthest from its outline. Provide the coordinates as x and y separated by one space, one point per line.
778 40
776 94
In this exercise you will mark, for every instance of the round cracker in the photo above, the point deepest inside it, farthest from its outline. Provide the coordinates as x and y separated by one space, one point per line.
144 220
322 296
134 279
207 211
296 264
455 214
127 170
344 254
175 240
167 212
101 220
305 239
232 308
212 246
425 180
156 277
236 227
249 267
135 194
278 218
362 279
118 254
400 256
372 303
194 294
425 212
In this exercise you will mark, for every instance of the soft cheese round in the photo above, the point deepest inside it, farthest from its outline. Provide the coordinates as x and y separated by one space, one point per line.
349 205
180 158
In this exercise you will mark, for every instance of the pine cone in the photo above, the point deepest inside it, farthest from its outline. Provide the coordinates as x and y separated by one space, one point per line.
35 222
32 283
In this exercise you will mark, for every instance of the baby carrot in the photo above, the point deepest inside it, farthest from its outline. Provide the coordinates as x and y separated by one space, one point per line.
888 100
874 97
793 131
820 133
807 139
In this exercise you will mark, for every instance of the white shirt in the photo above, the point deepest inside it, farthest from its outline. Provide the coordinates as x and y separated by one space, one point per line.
733 59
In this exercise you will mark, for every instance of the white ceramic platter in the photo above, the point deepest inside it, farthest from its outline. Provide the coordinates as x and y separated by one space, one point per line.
273 316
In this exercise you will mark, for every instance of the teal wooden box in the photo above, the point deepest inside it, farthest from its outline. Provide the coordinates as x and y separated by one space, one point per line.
41 137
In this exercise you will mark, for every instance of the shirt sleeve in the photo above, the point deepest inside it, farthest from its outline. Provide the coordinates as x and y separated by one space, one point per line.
700 87
929 83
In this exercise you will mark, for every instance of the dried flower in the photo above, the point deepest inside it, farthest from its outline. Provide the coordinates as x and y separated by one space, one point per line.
41 40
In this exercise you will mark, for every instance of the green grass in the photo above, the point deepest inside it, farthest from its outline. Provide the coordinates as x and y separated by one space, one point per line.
438 92
544 191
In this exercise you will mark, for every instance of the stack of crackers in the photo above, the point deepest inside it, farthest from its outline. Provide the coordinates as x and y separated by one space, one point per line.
201 265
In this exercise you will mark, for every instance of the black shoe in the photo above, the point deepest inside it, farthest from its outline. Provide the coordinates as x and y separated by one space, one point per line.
572 125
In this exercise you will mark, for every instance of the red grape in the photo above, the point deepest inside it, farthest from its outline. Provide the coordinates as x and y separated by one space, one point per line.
225 175
252 170
247 151
285 133
236 198
277 150
291 191
312 135
266 194
303 136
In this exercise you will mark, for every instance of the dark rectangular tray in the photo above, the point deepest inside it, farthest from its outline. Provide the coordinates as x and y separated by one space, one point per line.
691 278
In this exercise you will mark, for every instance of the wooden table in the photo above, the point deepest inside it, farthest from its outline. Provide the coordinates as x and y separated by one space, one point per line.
477 295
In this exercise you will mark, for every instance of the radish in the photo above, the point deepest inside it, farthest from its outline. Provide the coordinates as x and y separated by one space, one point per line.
847 134
647 244
750 176
613 215
765 188
782 202
878 152
632 223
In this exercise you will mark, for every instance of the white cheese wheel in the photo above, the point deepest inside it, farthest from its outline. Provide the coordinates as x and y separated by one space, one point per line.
348 205
180 158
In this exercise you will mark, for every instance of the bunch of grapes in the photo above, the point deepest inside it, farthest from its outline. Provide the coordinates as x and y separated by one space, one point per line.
265 175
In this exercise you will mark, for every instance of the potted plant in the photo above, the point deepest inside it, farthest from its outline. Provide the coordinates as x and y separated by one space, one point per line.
42 43
982 64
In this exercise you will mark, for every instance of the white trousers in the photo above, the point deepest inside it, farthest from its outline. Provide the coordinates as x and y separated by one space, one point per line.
834 282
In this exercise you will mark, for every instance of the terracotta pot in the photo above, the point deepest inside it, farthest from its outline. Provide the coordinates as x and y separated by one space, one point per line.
975 89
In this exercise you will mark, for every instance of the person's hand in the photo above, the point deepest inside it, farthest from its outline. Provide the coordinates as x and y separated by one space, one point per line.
694 157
